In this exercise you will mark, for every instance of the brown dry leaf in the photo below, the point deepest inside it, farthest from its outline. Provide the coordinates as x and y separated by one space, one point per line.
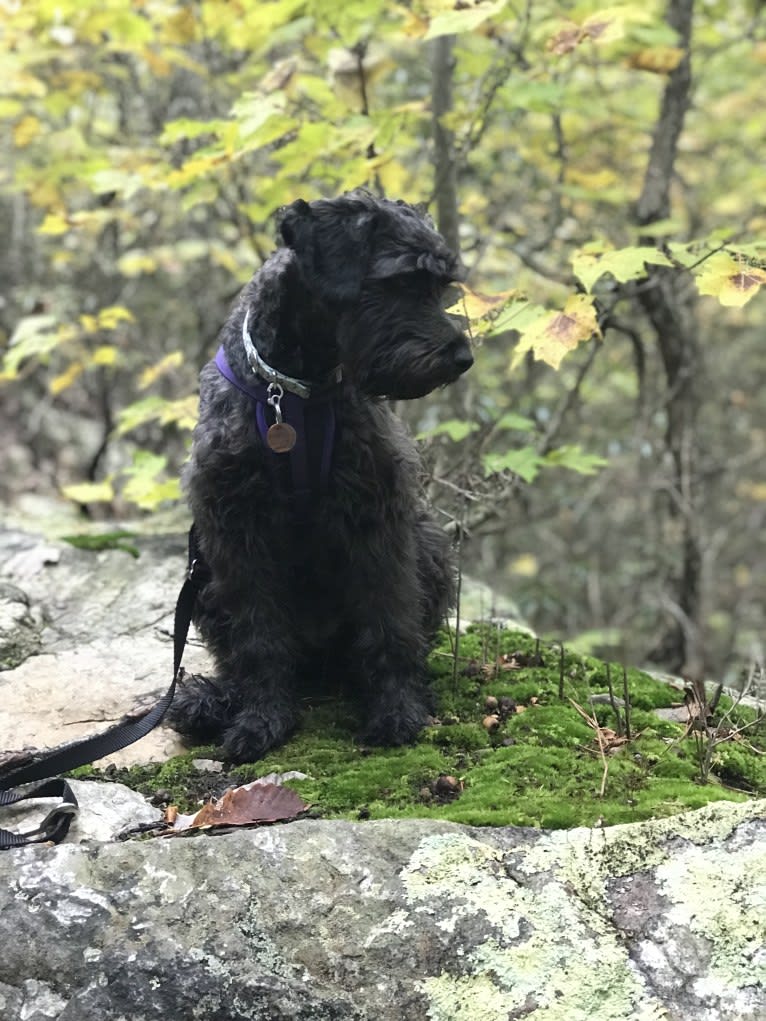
244 806
609 740
565 40
512 661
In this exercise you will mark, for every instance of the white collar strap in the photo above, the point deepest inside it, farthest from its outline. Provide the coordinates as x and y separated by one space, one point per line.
301 387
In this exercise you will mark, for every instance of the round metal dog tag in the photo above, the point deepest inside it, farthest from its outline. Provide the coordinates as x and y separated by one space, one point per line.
281 437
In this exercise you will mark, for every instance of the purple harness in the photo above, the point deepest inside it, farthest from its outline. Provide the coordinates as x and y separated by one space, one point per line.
314 422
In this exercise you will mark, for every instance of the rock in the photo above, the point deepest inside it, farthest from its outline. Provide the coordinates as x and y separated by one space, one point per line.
331 920
89 637
20 626
106 810
392 921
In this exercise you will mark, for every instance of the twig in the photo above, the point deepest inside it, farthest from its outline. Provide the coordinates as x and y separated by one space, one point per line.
626 699
612 700
595 725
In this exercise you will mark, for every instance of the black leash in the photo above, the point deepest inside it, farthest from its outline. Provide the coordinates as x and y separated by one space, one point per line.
56 824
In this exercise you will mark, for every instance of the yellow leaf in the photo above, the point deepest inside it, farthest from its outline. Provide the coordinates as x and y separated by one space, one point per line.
109 318
555 334
752 490
136 262
181 27
526 565
89 323
25 130
604 26
477 305
54 224
194 168
65 379
157 64
657 59
153 372
596 180
44 195
731 281
89 492
10 108
106 354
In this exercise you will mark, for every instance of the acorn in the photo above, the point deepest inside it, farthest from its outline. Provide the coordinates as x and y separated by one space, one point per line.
507 706
490 703
491 723
446 786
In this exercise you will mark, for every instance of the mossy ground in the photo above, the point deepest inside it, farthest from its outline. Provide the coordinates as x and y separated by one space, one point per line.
541 767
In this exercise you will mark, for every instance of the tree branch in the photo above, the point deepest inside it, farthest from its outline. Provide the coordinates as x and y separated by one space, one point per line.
445 163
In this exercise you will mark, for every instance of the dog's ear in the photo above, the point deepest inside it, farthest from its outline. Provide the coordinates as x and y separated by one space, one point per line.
332 241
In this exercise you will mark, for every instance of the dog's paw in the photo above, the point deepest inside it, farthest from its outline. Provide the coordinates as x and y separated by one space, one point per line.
256 730
201 710
399 721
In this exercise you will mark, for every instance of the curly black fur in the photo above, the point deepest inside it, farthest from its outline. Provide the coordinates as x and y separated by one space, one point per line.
361 580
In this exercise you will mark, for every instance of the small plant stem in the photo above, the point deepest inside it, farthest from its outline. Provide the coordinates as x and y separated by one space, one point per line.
612 700
626 698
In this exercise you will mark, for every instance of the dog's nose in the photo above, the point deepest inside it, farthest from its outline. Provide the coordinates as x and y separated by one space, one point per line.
463 358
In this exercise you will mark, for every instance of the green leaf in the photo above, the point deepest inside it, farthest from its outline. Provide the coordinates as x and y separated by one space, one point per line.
455 428
517 315
33 336
525 462
119 540
510 420
624 264
463 18
143 487
186 127
181 412
576 459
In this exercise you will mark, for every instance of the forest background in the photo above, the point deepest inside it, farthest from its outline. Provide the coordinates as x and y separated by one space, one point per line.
601 170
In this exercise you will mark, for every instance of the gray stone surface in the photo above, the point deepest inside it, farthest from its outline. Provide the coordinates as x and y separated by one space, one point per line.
392 921
323 921
106 811
85 637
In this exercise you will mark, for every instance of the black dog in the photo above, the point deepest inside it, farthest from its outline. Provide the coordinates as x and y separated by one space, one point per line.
304 485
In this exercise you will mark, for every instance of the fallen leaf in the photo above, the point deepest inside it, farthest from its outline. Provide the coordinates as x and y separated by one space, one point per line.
245 806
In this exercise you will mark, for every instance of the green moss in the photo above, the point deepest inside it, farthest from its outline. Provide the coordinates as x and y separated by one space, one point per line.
106 540
541 767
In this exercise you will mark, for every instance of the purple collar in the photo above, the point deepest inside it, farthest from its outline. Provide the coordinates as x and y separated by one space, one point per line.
314 421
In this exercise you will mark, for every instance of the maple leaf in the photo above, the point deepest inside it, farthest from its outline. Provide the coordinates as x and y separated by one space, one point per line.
554 334
594 260
731 281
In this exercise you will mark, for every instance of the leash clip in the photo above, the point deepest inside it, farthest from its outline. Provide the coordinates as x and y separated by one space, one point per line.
280 436
274 400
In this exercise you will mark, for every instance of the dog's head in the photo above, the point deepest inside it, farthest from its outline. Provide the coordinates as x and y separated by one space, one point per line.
385 272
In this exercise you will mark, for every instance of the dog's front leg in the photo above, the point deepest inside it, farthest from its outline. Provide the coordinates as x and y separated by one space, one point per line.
250 704
258 660
388 655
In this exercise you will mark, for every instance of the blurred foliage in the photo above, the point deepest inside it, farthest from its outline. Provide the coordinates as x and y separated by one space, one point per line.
147 145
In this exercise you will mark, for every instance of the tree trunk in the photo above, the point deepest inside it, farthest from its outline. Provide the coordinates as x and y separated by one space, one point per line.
668 299
445 166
